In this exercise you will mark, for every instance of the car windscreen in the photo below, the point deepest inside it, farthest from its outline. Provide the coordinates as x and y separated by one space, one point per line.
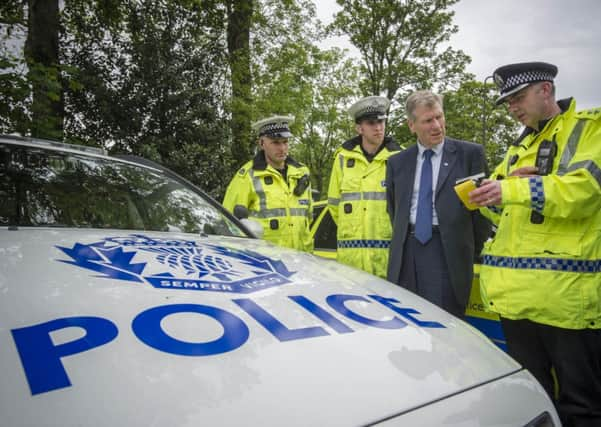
49 188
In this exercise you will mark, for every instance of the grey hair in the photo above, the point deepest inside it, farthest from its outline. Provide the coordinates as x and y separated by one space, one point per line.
421 97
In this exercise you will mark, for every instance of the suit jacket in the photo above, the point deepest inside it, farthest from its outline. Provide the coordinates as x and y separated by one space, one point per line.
462 232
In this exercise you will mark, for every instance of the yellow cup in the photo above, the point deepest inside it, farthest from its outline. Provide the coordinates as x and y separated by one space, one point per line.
463 189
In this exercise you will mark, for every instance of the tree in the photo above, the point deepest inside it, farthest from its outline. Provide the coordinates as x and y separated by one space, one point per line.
471 115
42 55
239 14
292 75
30 82
399 41
147 78
400 46
14 86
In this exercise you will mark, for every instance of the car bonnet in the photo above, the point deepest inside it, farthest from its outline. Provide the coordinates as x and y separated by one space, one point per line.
128 328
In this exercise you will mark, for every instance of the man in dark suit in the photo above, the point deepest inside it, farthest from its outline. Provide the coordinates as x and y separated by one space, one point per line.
435 238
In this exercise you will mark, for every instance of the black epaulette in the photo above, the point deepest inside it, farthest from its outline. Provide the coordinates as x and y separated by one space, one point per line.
527 131
259 162
352 143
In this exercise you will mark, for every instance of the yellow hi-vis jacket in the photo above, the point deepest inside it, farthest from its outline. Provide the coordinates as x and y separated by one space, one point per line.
357 203
549 272
270 199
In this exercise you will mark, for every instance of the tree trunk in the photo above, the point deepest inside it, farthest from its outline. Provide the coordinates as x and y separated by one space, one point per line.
238 43
41 52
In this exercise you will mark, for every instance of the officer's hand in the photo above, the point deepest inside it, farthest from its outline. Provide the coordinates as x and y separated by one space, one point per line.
524 171
487 194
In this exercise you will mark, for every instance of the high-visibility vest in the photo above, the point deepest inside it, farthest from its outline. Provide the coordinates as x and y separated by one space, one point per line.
270 199
549 271
357 202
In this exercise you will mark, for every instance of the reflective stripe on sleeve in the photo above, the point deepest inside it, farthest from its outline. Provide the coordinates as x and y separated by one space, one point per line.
537 193
590 166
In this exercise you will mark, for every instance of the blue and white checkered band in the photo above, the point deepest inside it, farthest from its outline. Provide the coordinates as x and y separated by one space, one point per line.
537 263
537 193
359 244
274 128
522 78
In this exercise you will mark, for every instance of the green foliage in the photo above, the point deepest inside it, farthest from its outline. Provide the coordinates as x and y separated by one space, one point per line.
180 81
399 43
239 19
471 115
11 14
292 75
14 93
46 106
400 46
30 85
146 78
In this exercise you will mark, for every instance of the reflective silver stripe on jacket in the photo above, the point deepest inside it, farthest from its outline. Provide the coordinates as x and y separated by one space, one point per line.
570 148
569 152
333 201
298 211
260 192
374 195
590 166
270 213
367 195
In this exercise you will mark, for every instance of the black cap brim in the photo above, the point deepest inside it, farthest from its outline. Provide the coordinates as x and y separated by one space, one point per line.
278 135
501 99
371 117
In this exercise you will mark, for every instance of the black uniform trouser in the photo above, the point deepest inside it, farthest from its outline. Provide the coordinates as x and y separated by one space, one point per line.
575 356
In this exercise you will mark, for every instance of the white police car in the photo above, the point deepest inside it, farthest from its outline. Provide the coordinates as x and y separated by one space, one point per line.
129 298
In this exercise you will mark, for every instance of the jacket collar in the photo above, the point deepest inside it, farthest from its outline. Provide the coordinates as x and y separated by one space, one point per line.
260 163
564 105
388 143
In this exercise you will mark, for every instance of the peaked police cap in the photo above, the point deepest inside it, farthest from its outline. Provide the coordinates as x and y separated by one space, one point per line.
274 126
371 107
514 77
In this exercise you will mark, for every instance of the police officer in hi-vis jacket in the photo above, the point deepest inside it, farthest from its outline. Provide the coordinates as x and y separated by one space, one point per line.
274 188
357 192
542 271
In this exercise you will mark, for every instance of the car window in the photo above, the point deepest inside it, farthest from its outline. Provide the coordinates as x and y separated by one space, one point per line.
41 187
